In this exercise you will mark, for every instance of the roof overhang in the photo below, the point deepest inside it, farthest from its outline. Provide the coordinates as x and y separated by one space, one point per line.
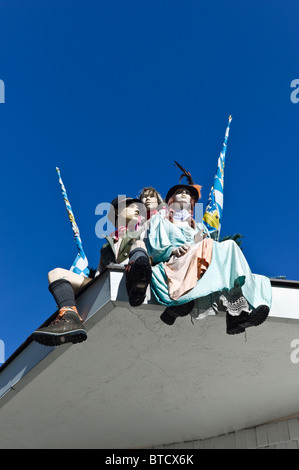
137 382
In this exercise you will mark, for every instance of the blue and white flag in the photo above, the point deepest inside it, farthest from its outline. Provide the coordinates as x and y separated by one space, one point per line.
213 214
80 265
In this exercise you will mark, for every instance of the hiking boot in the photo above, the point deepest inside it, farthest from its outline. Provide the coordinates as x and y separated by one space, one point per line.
237 324
170 314
138 277
66 328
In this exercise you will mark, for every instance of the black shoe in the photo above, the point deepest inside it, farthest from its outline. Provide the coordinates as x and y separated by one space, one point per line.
170 314
237 324
66 328
138 277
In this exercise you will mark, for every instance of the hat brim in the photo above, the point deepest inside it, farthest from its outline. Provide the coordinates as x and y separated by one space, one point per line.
193 191
131 201
128 201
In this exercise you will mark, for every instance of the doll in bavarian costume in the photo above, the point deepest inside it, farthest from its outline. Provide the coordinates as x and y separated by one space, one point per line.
189 266
68 327
152 201
125 247
138 270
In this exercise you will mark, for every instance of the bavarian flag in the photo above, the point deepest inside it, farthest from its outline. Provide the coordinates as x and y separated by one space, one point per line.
80 264
213 215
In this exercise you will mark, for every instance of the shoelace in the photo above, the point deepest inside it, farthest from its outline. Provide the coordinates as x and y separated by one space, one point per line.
129 266
62 312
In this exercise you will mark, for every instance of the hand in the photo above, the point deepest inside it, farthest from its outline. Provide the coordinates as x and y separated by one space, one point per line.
181 250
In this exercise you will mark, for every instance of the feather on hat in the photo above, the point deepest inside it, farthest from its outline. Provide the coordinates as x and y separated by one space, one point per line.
195 189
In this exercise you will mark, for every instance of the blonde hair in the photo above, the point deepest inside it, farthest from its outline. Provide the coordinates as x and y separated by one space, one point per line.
153 191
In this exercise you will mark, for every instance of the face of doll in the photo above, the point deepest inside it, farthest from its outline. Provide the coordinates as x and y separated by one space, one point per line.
129 213
150 200
182 196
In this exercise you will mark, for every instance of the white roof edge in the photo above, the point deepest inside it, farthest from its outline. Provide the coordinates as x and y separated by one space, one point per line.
104 292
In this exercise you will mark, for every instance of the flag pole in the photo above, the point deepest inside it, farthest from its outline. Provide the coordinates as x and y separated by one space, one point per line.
213 215
80 264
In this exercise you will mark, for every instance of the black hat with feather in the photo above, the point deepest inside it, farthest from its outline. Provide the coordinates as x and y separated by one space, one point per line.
194 189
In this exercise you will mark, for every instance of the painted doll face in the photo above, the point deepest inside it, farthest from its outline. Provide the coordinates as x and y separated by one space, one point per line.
149 199
182 196
129 213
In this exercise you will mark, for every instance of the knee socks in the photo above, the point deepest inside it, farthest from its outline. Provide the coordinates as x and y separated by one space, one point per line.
134 254
63 293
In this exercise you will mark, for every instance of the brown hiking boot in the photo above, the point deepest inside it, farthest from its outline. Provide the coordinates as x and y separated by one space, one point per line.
66 328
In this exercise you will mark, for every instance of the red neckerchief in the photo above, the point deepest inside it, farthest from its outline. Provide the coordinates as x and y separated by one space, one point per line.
120 231
151 212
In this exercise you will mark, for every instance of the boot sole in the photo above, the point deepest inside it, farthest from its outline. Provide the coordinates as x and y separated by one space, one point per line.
57 339
257 317
236 330
170 314
141 271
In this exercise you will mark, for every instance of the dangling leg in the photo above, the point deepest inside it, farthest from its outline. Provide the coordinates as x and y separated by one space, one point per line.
170 314
138 274
239 313
237 324
67 326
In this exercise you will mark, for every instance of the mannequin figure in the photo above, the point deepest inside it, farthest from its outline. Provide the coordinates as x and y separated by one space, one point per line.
68 327
189 265
152 200
125 214
126 247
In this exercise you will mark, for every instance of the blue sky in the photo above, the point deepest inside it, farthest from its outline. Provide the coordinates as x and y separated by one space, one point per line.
113 92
